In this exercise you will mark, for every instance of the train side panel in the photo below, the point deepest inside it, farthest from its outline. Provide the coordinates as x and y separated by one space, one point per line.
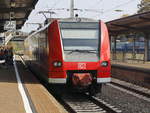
46 55
37 53
104 72
56 74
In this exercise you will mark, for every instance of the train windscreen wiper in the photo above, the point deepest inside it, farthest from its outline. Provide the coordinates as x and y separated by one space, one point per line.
83 51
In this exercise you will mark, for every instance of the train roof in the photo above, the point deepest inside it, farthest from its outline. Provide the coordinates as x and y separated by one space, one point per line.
73 20
48 21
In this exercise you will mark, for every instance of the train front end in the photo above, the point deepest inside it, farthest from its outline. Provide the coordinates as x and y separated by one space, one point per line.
85 54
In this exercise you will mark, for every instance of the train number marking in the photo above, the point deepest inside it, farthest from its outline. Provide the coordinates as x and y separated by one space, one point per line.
81 65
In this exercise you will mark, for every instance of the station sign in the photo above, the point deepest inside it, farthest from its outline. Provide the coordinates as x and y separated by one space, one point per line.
10 25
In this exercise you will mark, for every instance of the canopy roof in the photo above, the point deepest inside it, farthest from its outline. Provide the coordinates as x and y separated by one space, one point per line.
137 22
17 10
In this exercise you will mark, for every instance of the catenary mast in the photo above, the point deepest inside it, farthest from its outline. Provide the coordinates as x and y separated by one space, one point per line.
72 8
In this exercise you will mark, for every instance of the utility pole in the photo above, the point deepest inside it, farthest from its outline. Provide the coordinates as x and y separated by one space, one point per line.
72 8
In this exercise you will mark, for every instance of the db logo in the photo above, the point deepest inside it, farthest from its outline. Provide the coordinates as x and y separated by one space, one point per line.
81 65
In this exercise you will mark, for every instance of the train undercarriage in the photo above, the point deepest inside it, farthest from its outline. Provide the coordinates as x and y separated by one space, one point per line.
84 81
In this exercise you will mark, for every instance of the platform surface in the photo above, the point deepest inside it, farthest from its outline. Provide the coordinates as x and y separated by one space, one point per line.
145 65
11 101
10 98
136 73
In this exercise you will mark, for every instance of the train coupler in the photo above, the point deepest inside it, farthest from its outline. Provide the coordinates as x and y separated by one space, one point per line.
82 79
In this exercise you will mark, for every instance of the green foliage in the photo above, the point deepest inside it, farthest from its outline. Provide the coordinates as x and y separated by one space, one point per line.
144 6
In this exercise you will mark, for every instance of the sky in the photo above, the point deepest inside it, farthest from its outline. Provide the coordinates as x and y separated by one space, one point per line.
97 9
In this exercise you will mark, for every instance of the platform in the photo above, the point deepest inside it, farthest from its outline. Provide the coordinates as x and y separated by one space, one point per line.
145 65
136 73
10 98
11 101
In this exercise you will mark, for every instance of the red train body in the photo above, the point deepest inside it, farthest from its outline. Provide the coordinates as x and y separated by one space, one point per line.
70 51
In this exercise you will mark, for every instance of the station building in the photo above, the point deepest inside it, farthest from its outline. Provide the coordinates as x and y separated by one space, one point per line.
130 38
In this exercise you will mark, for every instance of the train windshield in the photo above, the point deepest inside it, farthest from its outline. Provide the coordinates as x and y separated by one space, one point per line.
82 37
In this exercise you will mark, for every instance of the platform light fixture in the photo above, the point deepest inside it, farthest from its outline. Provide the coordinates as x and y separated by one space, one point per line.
12 3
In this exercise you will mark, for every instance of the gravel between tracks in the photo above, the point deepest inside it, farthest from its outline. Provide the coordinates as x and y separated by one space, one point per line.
126 102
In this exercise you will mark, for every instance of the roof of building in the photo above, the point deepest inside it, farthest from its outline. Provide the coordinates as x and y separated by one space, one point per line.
135 23
15 10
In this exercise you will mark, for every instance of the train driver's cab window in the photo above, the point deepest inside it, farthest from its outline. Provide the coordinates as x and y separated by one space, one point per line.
80 36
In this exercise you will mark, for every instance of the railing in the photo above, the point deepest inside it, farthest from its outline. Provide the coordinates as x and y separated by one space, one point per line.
8 38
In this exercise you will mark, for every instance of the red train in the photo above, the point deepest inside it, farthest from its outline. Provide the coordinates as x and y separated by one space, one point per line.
75 52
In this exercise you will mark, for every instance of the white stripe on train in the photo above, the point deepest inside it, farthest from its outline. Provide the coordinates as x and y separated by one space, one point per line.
103 80
63 80
57 80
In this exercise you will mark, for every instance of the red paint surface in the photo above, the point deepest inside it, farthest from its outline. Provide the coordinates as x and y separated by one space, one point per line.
55 51
56 54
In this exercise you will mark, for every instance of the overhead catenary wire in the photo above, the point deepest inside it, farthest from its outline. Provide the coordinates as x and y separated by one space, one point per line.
123 4
90 10
54 5
93 10
48 11
113 9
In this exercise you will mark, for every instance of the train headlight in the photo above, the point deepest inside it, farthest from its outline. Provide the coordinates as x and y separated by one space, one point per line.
57 64
104 64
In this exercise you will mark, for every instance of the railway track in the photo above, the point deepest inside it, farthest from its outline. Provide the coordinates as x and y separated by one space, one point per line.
94 104
83 103
130 90
79 103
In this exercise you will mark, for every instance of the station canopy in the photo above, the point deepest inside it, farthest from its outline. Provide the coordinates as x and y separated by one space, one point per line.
135 23
15 10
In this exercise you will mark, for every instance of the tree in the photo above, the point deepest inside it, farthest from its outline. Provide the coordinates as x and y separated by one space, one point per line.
144 6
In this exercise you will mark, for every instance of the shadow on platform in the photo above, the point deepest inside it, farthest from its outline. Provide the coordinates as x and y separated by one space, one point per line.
8 75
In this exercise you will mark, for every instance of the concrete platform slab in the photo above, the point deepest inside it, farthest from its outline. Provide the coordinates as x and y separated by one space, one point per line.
42 100
138 73
145 65
10 98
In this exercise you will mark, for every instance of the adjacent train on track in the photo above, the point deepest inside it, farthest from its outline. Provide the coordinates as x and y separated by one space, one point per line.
73 51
